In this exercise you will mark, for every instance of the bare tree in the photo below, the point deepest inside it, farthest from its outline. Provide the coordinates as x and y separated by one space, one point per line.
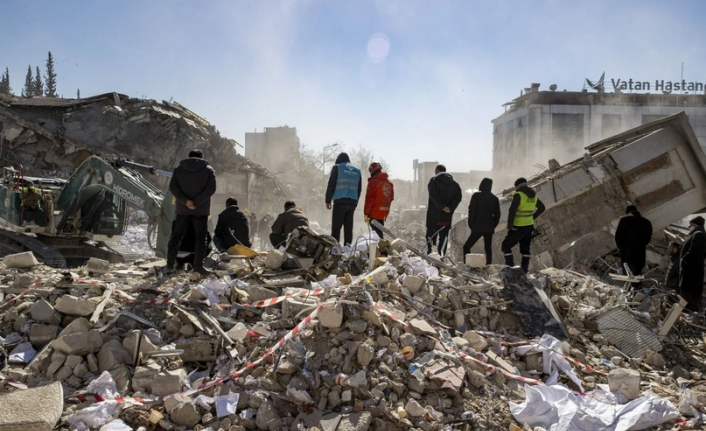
362 156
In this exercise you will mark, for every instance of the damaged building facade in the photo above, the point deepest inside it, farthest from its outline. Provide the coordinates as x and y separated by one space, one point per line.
543 125
659 166
52 136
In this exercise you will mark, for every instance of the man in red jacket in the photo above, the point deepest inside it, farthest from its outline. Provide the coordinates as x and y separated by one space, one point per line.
378 197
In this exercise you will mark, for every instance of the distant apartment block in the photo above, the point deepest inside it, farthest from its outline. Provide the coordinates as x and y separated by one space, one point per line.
272 148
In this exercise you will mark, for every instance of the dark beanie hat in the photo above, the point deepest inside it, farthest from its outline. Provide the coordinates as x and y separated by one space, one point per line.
520 181
630 209
699 221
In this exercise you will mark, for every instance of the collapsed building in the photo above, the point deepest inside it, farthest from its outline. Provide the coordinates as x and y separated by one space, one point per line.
52 136
659 167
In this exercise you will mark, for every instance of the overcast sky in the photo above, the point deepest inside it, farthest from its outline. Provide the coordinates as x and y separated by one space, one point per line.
409 79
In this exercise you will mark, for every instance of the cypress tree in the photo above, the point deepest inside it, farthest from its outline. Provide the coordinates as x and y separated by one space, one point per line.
50 77
38 85
28 90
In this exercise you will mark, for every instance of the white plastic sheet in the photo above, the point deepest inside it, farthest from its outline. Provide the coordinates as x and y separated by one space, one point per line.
552 358
95 416
212 289
556 408
104 386
227 405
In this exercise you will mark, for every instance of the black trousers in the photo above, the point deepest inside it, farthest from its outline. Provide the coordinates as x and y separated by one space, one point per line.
181 224
487 240
523 236
277 239
35 215
343 217
442 235
375 229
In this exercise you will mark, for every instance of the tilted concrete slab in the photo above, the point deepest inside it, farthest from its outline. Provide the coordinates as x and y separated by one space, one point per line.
36 409
659 167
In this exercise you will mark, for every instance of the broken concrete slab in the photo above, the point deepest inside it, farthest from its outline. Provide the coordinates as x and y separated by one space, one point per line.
112 355
160 383
73 306
21 260
97 266
76 326
331 317
475 260
626 381
42 311
79 343
40 335
33 409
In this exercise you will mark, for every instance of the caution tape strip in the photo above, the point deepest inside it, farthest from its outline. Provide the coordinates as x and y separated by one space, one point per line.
276 300
95 398
382 310
504 372
12 382
584 366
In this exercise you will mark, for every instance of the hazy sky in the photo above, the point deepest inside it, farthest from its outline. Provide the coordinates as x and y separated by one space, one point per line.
409 79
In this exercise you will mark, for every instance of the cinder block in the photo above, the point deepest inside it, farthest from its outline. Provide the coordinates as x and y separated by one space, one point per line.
21 260
475 260
98 266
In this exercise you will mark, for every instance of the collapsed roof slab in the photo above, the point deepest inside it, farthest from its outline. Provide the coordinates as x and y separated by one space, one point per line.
659 167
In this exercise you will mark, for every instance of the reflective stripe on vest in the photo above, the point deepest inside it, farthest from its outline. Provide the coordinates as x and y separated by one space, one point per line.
347 182
525 211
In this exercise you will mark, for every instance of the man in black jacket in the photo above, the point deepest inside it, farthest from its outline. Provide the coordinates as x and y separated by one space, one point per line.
691 276
671 281
286 222
444 197
344 187
192 184
232 228
632 236
483 218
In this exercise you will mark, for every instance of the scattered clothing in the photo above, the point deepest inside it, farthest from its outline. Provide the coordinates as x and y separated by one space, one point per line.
632 236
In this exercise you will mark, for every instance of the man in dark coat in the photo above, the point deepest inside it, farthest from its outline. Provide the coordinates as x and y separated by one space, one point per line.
691 277
264 229
192 184
444 197
232 228
344 187
671 281
286 222
483 218
632 237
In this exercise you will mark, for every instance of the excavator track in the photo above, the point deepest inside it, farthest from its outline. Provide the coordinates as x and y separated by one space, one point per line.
48 255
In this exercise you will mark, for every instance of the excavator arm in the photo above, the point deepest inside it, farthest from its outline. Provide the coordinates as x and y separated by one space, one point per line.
96 183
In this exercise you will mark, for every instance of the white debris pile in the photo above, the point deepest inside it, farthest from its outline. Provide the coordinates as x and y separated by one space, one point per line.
341 343
135 238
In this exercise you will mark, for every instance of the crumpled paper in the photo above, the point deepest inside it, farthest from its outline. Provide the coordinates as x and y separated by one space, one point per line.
552 359
556 408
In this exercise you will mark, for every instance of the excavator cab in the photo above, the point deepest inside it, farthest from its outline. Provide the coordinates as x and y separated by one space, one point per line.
104 214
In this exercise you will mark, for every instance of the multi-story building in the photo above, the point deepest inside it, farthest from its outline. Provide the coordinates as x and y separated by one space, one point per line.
543 125
272 148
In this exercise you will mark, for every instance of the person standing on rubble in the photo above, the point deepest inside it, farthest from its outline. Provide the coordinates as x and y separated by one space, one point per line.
290 219
632 236
344 187
483 218
232 228
524 210
444 197
192 184
671 281
378 196
691 276
264 229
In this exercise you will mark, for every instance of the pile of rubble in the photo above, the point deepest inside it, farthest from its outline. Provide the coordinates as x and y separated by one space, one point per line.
332 342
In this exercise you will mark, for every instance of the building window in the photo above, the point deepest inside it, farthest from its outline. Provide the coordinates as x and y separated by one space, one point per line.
567 132
611 125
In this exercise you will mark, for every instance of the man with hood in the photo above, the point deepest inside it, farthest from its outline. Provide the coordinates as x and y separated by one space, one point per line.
192 184
483 218
264 229
344 187
286 222
691 276
632 236
525 208
671 281
444 197
378 196
232 228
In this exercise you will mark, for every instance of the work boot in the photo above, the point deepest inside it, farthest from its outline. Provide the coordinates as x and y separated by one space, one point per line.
525 264
509 260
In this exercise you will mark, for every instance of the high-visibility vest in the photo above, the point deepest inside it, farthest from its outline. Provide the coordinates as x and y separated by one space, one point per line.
30 200
347 183
525 211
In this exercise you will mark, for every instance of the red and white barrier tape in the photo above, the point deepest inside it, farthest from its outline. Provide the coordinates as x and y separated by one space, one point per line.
276 300
382 310
506 373
95 398
584 366
12 382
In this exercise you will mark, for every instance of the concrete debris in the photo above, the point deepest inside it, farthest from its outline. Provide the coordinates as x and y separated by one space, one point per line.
409 344
34 409
21 260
